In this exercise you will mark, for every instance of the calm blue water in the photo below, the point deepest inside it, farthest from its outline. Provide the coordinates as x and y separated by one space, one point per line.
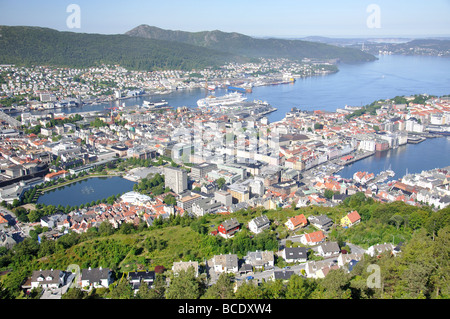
354 84
86 191
411 158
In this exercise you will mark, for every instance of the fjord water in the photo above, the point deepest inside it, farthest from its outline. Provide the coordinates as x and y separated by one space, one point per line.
355 85
406 159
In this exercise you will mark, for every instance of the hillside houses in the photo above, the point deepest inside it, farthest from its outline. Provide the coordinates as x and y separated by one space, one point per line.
296 222
350 219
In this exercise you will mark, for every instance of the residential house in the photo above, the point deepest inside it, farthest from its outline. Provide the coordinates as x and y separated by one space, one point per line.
313 269
96 277
350 219
283 275
225 263
313 238
184 266
52 278
322 222
136 278
229 227
344 259
260 259
323 272
296 222
258 224
294 254
329 249
376 250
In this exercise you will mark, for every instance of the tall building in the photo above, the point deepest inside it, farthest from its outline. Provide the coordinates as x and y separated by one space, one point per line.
175 179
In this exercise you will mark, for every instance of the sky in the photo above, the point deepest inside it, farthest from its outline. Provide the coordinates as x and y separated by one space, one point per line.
281 18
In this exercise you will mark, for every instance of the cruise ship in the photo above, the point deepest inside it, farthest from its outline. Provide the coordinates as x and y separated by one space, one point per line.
231 98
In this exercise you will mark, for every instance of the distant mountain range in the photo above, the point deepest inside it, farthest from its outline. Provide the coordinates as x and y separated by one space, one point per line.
151 48
42 46
243 45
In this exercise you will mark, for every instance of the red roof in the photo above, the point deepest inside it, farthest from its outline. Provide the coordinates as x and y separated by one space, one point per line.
353 216
315 237
299 219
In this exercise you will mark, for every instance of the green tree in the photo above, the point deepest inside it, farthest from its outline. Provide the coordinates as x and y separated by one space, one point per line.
220 182
249 290
185 286
122 290
299 287
222 289
74 293
170 200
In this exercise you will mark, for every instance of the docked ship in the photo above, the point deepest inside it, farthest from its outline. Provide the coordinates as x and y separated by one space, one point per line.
228 99
152 105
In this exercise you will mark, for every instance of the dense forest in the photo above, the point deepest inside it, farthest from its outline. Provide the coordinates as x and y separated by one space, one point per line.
244 45
43 46
420 271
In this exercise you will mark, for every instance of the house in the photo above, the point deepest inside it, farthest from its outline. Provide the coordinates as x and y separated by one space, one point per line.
323 272
329 249
229 227
322 222
351 219
344 259
96 277
136 278
52 278
225 263
296 222
376 250
260 259
313 238
313 268
184 266
258 224
282 275
294 254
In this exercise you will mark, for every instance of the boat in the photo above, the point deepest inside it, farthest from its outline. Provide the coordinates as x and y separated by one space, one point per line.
152 105
228 99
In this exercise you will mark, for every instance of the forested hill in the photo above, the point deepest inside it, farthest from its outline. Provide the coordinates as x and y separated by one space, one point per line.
42 46
240 44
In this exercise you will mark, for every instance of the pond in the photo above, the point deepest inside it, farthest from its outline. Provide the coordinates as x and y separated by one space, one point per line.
86 191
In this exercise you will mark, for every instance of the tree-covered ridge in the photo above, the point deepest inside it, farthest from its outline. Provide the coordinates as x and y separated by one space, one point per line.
244 45
43 46
419 271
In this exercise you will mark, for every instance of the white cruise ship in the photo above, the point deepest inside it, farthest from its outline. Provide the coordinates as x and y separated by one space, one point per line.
231 98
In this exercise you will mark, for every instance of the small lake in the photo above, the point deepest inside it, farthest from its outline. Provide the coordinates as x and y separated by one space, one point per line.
86 191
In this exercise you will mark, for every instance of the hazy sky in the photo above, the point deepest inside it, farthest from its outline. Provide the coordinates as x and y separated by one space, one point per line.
284 18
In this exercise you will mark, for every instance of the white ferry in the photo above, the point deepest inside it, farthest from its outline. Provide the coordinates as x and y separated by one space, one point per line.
152 105
231 98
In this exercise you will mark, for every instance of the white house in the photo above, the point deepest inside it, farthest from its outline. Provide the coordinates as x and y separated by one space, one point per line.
294 254
225 263
379 249
96 277
329 249
52 278
344 259
258 224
